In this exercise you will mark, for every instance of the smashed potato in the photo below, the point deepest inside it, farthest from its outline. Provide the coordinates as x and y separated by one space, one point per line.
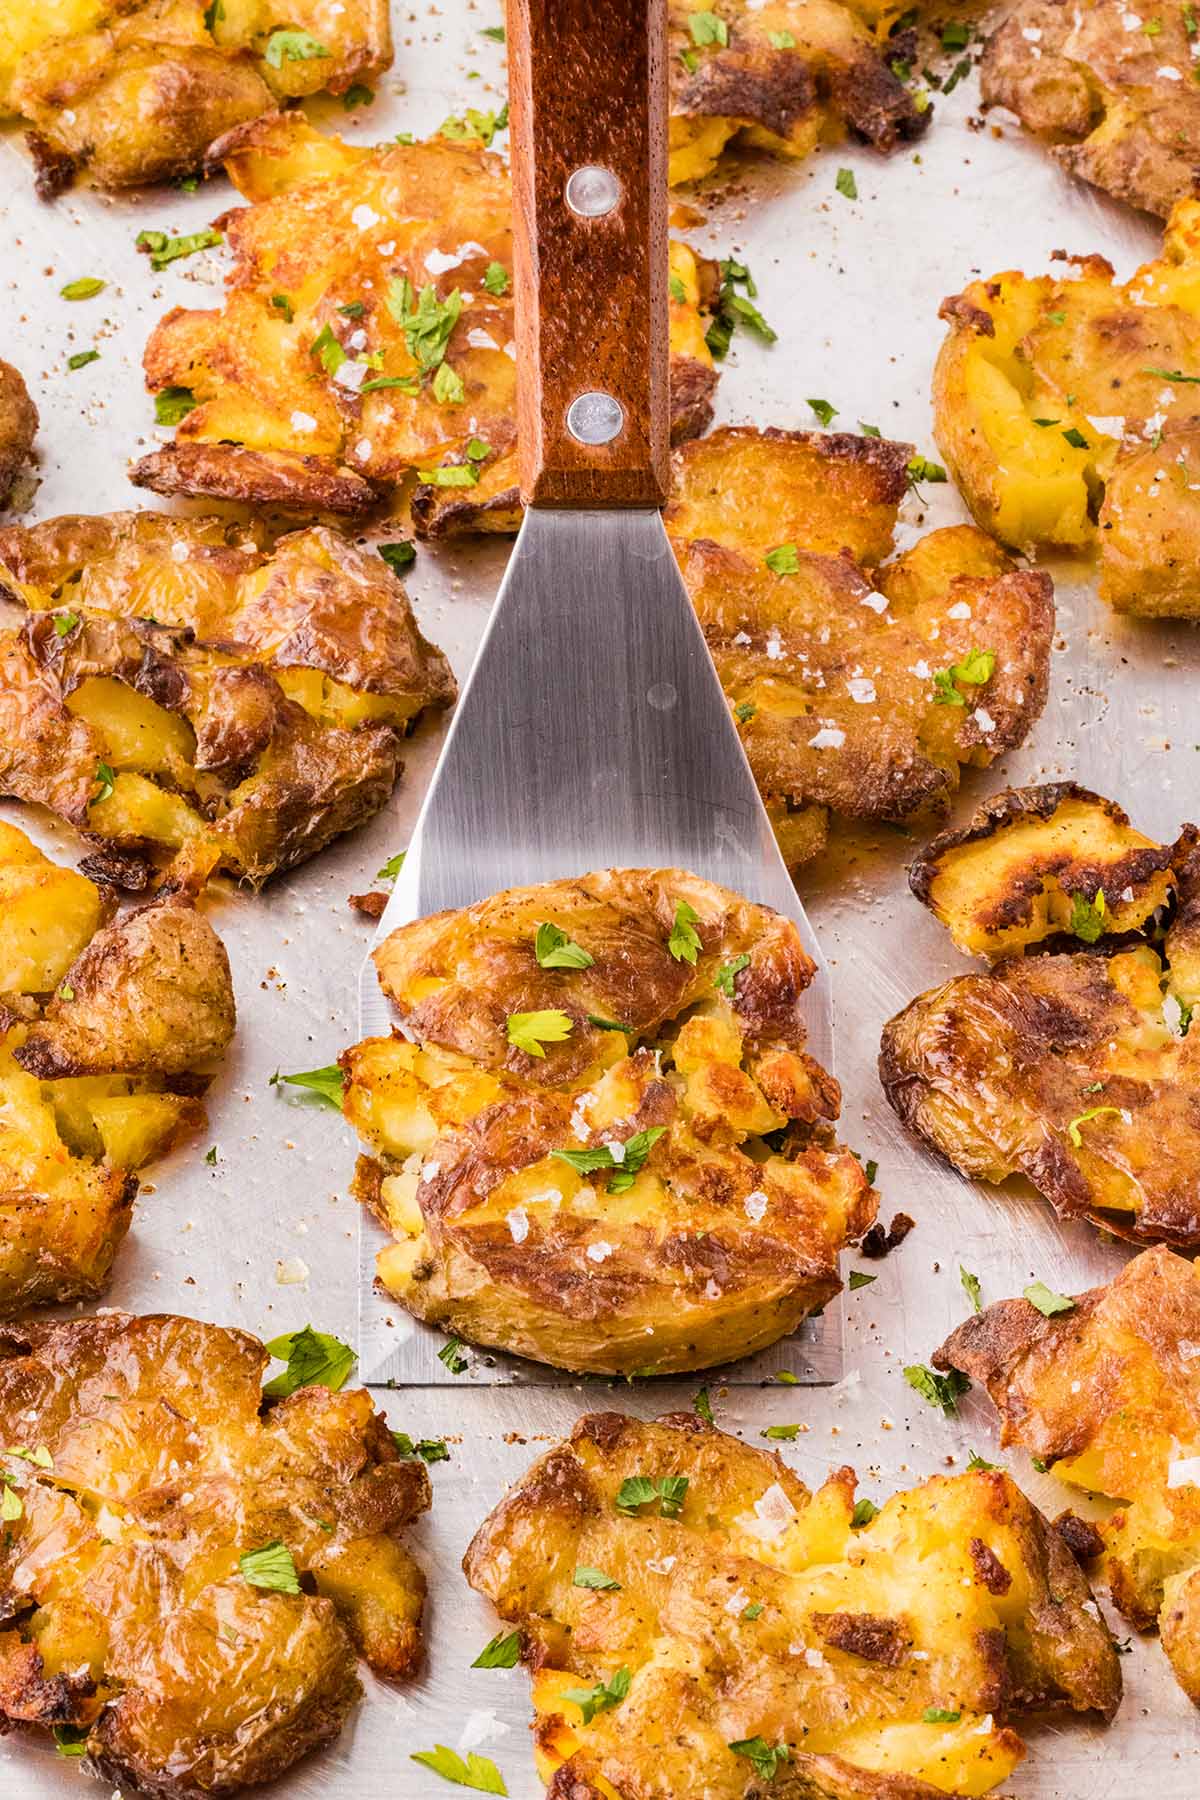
857 690
136 90
1030 861
1077 1069
179 686
692 1616
367 334
1068 411
620 1159
1117 103
109 1026
781 76
18 426
190 1571
1106 1393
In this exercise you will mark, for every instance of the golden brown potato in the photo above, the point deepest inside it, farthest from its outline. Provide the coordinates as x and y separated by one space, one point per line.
1076 1070
1032 863
136 90
782 76
718 1612
857 690
1067 410
650 1184
367 334
178 685
1106 1392
147 1473
110 1028
18 426
1117 104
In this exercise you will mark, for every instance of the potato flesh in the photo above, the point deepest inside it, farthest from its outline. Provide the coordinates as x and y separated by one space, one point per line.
47 915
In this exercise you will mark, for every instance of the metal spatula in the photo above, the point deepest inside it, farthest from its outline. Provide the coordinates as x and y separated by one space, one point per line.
592 731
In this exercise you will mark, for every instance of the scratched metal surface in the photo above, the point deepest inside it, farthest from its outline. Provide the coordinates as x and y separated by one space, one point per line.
266 1238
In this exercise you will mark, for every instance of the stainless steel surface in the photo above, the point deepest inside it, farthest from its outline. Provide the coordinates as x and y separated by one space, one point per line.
593 733
853 290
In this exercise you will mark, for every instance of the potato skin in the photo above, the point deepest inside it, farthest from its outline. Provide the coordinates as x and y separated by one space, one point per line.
136 90
274 425
18 426
712 1604
830 668
832 79
249 701
1007 879
1097 94
1105 1393
195 1682
713 1254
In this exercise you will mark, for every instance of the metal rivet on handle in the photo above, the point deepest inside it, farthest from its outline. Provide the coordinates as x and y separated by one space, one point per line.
594 418
592 191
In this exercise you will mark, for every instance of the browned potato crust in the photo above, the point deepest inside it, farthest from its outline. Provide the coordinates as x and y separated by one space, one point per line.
761 90
1068 411
145 1464
136 90
281 373
1107 1393
729 1231
746 1607
837 670
109 1028
1075 1070
1119 106
179 685
1029 858
18 426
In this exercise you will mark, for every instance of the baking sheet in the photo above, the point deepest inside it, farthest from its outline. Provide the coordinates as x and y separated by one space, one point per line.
265 1238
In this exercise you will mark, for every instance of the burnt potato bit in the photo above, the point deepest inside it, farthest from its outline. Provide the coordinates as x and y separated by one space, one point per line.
179 688
367 335
134 91
188 1572
1117 105
782 77
1068 413
858 690
668 1572
571 1144
109 1030
1077 1069
18 426
1105 1393
1038 862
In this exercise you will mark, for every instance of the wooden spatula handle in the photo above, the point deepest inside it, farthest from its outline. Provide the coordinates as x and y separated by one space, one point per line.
588 90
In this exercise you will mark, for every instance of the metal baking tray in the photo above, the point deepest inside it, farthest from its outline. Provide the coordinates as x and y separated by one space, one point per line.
267 1237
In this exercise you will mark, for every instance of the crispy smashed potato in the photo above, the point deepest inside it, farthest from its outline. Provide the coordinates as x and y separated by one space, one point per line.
179 686
147 1470
651 1184
712 1612
109 1028
1076 1069
18 426
1118 104
1106 1393
857 690
136 90
1068 411
1032 860
368 334
783 76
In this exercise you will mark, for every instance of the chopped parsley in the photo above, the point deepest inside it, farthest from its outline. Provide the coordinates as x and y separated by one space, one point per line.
495 32
555 950
327 350
313 1358
398 556
725 976
781 40
163 249
677 290
66 992
941 1715
327 1083
707 28
357 95
733 309
452 1357
702 1406
448 386
84 288
970 1288
495 278
65 623
71 1740
449 474
781 1433
975 1461
783 560
270 1567
292 46
603 1024
864 1512
171 404
860 1279
942 1391
1075 438
1046 1300
214 14
846 184
975 669
684 941
753 1611
474 124
1088 916
425 320
473 1770
282 304
1163 374
824 411
502 1652
430 1450
1096 1112
210 1156
391 867
637 1491
764 1757
107 780
596 1699
585 1577
955 35
744 711
627 1166
528 1031
921 469
82 358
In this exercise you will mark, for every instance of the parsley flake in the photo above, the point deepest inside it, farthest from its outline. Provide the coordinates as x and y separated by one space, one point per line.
707 28
398 556
555 950
764 1757
452 1357
430 1450
495 278
162 249
473 1771
107 781
1046 1300
292 46
824 411
391 867
781 1433
970 1288
85 288
627 1166
846 184
327 1083
528 1031
860 1279
783 560
596 1699
171 404
942 1391
585 1577
702 1406
1088 916
940 1715
502 1652
271 1567
684 941
725 976
313 1358
864 1512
